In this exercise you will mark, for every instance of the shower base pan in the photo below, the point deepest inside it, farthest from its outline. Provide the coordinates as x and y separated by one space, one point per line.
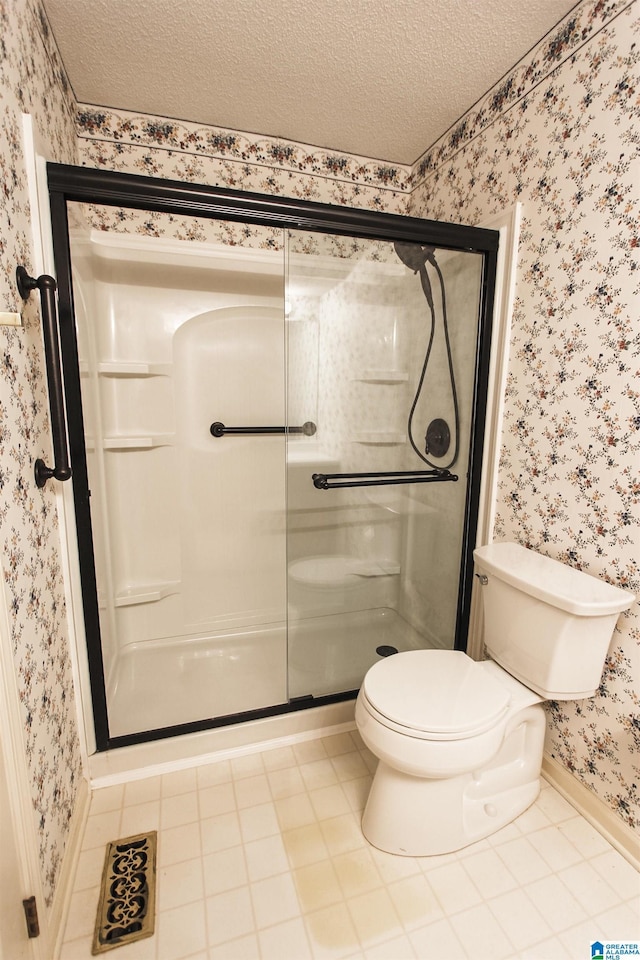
171 682
330 654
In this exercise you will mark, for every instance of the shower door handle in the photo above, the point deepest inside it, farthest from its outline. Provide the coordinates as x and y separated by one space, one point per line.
47 287
218 429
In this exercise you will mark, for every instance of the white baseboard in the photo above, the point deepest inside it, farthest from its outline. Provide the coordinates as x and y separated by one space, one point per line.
64 887
599 815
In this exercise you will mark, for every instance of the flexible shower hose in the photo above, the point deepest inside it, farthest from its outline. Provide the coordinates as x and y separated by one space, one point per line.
426 286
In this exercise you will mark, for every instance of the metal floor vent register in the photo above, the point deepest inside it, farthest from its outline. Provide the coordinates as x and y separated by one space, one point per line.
126 909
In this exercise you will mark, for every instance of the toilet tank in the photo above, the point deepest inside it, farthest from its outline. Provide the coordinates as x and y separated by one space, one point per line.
547 624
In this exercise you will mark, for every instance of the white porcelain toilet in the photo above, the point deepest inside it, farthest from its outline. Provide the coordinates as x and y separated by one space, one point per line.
460 742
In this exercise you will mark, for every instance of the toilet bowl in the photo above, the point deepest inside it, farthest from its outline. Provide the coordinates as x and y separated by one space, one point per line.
459 746
434 713
460 742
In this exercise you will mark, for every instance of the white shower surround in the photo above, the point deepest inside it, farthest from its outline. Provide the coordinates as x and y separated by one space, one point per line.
193 535
163 510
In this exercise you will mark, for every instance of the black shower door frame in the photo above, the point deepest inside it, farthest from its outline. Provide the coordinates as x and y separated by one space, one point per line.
82 184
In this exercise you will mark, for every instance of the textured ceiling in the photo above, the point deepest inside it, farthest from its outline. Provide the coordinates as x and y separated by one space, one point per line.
376 78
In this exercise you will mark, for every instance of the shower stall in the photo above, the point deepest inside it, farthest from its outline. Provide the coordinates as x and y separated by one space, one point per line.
275 415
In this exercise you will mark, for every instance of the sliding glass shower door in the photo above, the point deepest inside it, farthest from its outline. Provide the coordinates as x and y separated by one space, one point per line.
182 379
275 439
382 354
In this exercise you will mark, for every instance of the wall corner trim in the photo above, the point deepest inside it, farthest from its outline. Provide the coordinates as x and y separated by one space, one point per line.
597 813
64 887
508 225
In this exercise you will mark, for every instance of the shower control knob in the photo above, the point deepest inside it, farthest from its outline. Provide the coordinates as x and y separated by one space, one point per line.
437 438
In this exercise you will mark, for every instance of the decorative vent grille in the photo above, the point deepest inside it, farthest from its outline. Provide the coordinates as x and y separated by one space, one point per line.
126 909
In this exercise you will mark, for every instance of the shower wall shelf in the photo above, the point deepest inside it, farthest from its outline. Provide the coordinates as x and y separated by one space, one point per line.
376 568
138 443
338 571
115 368
146 592
382 376
379 437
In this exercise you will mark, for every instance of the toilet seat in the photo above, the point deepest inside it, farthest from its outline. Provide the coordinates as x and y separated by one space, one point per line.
435 695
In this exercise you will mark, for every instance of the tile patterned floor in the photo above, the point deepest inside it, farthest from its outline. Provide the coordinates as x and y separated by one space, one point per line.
262 857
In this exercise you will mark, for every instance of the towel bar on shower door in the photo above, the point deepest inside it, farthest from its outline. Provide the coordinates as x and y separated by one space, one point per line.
219 430
328 481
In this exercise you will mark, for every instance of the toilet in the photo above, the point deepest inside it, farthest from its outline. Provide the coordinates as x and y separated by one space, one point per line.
459 742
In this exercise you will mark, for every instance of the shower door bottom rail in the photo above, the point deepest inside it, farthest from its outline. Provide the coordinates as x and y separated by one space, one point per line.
329 481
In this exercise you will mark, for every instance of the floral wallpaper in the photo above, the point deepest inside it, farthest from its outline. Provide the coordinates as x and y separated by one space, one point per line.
177 150
560 135
32 80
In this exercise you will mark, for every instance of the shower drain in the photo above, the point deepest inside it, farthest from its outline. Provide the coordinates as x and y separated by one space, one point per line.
386 650
126 909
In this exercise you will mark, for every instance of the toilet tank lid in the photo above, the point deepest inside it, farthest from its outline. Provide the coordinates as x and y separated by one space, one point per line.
552 581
